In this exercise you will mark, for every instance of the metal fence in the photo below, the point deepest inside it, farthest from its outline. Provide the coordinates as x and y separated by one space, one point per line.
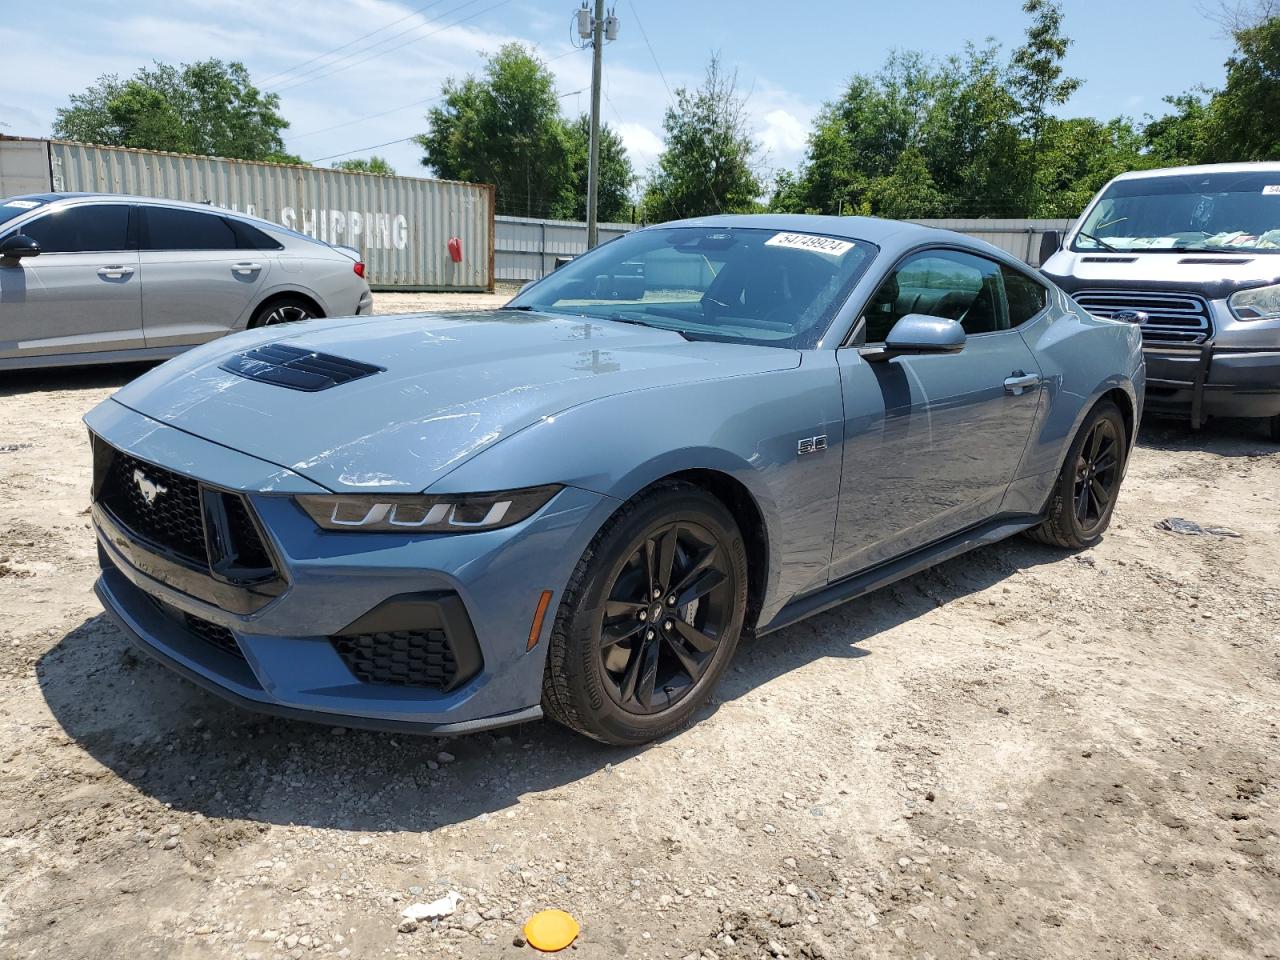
526 249
401 225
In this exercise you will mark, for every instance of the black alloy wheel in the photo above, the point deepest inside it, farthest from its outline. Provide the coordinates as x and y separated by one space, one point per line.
1097 475
649 618
663 617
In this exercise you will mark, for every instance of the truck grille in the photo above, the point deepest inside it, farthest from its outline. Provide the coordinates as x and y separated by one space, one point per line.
418 658
1171 317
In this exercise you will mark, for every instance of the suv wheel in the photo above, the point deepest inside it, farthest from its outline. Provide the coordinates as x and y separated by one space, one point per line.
650 618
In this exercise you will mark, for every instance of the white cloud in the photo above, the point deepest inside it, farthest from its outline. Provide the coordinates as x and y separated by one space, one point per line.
783 133
642 144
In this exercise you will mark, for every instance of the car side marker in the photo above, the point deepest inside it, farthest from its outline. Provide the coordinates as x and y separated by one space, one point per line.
535 630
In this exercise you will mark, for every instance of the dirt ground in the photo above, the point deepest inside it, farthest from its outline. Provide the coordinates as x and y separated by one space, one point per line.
1020 754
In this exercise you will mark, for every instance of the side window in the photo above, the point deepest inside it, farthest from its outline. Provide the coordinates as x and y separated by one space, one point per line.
82 229
171 229
1026 297
940 283
251 238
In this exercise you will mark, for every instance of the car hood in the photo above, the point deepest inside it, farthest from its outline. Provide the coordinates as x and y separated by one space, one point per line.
450 386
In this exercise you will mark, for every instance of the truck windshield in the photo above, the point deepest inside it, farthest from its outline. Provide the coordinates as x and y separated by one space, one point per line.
770 287
1238 212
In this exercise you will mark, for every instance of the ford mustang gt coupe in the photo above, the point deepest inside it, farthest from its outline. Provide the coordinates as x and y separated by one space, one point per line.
577 504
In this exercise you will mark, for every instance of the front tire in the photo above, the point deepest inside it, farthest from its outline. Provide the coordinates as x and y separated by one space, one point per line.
650 618
1084 495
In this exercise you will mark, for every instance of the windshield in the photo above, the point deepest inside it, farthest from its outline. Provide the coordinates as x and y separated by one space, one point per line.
1238 212
772 287
17 206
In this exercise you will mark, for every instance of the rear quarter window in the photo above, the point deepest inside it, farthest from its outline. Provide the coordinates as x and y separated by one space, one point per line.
1025 296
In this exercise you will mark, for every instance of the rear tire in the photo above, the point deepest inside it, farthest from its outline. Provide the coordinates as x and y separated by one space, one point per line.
283 310
1274 424
1084 495
650 618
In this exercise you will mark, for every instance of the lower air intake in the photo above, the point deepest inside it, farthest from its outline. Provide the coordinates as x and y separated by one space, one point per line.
419 658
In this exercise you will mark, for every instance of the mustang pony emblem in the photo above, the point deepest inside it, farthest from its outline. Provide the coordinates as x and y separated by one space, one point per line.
148 487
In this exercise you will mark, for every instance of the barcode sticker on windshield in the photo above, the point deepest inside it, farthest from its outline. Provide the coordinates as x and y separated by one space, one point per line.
23 204
808 241
1272 188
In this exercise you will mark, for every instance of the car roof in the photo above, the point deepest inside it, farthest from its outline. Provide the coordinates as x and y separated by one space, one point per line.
157 201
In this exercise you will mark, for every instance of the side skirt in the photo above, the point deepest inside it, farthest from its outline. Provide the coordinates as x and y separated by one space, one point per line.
890 571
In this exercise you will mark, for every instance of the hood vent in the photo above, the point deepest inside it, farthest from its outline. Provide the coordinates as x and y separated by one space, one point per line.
1215 261
297 368
1109 259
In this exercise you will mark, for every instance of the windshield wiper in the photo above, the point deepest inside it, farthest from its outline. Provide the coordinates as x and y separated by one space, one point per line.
1099 241
622 318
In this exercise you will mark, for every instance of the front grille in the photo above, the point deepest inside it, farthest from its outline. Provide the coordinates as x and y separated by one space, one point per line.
158 505
418 658
214 635
1172 317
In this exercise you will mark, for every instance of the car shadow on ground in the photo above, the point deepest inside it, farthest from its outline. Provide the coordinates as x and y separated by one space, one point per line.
188 749
17 382
1226 437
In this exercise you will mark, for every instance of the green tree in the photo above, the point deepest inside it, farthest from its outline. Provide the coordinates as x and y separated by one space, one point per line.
1078 156
504 128
1036 75
709 164
210 108
616 175
1180 137
373 164
1244 121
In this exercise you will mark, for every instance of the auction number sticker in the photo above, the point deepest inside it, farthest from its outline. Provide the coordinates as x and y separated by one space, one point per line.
1271 189
808 241
23 204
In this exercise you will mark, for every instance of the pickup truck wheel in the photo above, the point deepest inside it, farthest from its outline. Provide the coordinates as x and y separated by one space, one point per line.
649 619
1085 492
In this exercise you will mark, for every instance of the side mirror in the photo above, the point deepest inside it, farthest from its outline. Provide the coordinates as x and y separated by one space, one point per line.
17 246
917 334
1050 243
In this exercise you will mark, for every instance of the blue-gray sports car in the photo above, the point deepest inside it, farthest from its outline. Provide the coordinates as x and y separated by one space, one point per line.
576 505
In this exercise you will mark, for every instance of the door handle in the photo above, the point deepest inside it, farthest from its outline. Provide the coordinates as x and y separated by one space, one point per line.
1020 383
246 267
116 272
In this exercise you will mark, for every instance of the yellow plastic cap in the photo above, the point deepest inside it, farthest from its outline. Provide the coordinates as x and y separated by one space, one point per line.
550 930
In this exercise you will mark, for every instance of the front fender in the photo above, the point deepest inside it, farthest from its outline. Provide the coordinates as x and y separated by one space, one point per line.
747 427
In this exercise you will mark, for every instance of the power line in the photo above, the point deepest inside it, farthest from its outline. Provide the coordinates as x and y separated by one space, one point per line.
654 56
355 63
319 56
371 116
335 156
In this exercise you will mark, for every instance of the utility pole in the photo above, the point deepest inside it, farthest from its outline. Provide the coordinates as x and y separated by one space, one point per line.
595 28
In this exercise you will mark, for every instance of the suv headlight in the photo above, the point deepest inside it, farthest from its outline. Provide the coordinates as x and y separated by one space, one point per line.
1260 303
421 513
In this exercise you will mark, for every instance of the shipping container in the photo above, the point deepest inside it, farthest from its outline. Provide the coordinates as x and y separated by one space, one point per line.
401 225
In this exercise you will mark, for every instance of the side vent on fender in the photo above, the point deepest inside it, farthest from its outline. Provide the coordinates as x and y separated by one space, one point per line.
297 368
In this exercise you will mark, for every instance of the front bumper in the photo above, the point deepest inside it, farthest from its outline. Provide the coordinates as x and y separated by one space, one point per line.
1204 380
284 662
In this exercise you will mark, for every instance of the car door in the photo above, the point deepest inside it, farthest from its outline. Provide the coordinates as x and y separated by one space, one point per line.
82 293
198 278
931 441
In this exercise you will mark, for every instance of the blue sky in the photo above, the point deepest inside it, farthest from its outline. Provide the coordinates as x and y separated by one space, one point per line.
789 57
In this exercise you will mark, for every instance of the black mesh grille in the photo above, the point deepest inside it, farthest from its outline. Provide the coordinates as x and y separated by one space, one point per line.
420 658
158 505
214 635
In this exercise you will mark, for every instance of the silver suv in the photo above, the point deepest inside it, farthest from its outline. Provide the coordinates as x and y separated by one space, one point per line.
101 278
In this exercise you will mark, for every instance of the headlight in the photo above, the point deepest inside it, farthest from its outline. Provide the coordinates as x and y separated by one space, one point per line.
420 513
1260 303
